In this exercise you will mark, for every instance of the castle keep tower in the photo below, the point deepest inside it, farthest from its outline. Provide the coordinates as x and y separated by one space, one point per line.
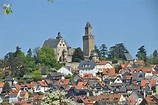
88 40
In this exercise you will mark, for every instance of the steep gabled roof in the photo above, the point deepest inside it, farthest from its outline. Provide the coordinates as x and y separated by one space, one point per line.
132 100
17 86
52 43
151 82
62 82
43 83
128 57
109 72
14 92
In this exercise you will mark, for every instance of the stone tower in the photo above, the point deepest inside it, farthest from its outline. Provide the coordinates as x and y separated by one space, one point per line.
88 40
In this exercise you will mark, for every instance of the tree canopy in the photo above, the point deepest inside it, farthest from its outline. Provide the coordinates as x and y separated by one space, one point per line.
46 56
141 54
77 55
117 52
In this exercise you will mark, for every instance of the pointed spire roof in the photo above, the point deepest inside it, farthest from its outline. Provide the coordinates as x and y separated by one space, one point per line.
88 24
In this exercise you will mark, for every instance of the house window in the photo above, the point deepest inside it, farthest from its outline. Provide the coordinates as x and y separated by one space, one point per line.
63 44
60 44
115 98
140 76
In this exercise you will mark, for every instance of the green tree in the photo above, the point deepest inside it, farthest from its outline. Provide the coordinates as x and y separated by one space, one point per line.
141 54
117 52
56 98
16 62
36 75
6 88
103 50
97 51
155 53
46 56
77 55
153 59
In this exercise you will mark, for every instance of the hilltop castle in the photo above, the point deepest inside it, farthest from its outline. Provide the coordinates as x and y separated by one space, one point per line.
64 52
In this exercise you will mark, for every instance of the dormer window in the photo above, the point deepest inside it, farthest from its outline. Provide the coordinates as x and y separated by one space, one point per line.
135 71
140 71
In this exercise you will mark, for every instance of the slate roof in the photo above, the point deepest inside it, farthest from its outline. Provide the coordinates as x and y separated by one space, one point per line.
52 43
54 74
128 57
87 64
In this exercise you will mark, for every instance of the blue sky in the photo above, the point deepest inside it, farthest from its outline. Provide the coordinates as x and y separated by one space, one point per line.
132 22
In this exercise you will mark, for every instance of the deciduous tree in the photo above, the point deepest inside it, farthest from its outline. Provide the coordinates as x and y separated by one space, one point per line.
56 98
77 55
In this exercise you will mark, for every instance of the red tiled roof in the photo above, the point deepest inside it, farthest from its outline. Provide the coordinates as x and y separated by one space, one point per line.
109 71
140 62
88 76
132 100
124 66
14 92
108 98
23 102
43 83
38 97
81 85
151 82
62 82
30 85
144 69
150 99
17 86
1 84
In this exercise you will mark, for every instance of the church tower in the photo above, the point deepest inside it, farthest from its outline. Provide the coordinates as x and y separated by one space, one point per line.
88 40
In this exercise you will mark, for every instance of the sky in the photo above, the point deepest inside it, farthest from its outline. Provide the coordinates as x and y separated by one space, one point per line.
132 22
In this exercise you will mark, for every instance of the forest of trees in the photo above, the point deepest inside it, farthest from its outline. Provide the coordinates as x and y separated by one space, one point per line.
30 66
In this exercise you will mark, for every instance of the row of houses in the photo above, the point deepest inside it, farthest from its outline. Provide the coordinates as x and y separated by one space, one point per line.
92 83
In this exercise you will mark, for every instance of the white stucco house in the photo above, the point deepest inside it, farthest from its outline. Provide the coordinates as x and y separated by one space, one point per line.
65 70
118 80
103 64
41 86
87 67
